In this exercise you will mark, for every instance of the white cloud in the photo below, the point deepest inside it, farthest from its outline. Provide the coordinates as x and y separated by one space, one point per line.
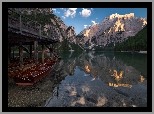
67 13
64 9
55 11
74 9
85 26
92 9
85 12
70 12
63 17
93 22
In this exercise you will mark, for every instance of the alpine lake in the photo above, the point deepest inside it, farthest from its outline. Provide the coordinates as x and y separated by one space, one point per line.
87 79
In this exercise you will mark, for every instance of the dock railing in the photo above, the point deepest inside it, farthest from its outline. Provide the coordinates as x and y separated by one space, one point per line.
19 23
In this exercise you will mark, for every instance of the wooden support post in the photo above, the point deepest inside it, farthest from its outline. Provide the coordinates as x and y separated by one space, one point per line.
19 51
36 52
40 31
43 54
49 34
13 53
51 46
53 50
30 50
20 24
21 54
9 53
8 56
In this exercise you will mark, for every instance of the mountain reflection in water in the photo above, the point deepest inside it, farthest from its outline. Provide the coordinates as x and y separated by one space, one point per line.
88 79
93 79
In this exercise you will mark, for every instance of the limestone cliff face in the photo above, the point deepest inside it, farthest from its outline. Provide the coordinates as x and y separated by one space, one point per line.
56 26
113 29
71 35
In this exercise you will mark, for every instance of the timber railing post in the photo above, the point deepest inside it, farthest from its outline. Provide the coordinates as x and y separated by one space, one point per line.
30 50
20 24
21 54
9 55
50 33
43 53
40 31
36 52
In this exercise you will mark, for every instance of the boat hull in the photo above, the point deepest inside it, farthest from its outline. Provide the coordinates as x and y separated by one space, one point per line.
33 78
34 75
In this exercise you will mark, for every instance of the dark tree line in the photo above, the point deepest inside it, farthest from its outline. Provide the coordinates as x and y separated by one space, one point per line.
65 46
134 43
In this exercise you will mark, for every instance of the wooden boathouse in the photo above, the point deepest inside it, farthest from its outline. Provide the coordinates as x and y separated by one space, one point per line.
24 31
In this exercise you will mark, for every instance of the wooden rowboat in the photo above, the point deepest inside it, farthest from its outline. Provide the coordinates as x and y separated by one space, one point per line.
33 75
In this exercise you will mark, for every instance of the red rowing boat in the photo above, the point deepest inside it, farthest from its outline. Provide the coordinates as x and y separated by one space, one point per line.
34 74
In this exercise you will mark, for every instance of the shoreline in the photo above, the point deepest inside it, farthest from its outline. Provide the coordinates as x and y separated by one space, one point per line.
24 51
143 52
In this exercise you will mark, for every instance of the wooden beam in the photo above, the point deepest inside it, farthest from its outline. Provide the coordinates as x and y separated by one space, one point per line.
36 52
21 54
43 54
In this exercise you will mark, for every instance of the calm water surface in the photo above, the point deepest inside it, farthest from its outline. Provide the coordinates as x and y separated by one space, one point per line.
89 79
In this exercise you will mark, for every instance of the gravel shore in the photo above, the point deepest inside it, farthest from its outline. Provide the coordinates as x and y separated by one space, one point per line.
76 91
29 96
144 52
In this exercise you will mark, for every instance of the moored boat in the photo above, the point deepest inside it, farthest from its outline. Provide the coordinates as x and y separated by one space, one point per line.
31 74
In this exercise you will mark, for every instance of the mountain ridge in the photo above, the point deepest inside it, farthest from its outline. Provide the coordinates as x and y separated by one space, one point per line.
113 29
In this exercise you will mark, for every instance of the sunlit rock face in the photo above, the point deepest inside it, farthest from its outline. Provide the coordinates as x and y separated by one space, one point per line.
113 29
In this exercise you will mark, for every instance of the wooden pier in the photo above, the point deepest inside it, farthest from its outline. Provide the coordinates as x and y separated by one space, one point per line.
24 31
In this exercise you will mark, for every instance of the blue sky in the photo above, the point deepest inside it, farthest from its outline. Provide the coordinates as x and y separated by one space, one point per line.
81 18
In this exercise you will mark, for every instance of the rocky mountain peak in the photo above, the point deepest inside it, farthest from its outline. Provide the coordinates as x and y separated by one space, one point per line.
114 29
